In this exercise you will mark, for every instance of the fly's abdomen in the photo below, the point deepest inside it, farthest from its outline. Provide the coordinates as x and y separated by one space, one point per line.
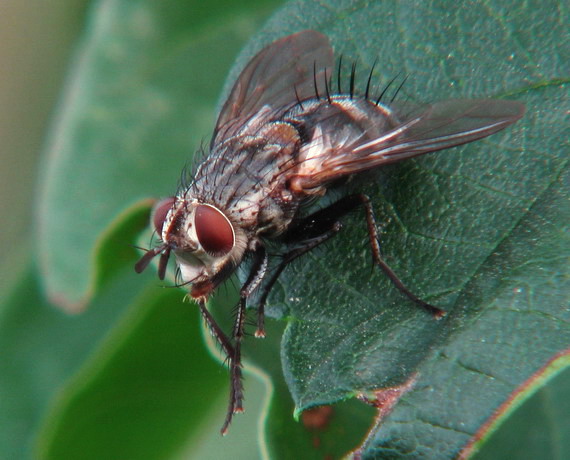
332 129
348 135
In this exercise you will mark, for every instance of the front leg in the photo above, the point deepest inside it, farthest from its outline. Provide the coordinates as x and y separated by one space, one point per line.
256 274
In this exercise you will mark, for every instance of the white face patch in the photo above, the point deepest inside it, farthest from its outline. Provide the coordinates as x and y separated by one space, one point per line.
191 268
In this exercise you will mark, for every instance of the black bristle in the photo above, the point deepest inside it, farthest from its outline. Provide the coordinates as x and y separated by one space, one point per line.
315 80
399 88
386 89
327 88
352 78
367 92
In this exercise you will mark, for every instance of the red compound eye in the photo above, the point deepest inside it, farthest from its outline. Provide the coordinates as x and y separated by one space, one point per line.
213 230
159 212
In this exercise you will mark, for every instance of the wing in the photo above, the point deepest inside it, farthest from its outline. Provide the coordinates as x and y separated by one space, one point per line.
276 76
334 153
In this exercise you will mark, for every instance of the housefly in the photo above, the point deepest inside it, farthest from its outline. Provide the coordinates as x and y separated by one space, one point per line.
284 138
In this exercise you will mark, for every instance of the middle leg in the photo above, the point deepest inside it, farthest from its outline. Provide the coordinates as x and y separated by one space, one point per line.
312 230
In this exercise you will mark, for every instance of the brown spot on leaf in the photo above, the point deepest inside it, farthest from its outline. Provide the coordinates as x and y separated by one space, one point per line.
317 418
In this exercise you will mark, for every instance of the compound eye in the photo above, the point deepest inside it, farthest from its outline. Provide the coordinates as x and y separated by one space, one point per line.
159 212
214 231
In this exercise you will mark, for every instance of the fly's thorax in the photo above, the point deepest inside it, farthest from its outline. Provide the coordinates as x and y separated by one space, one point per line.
247 175
341 122
206 243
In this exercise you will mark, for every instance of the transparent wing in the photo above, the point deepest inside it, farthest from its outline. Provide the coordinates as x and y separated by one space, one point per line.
276 76
421 130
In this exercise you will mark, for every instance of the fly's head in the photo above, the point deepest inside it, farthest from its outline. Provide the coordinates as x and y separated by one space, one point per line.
204 241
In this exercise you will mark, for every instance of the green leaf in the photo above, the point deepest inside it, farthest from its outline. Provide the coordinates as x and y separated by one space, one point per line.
136 398
538 429
42 348
478 230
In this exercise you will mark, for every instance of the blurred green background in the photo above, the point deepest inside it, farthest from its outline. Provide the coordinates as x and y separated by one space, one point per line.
36 43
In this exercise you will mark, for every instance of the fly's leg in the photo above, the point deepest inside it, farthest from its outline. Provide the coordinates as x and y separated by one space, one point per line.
230 352
255 277
235 404
215 330
320 226
377 257
326 232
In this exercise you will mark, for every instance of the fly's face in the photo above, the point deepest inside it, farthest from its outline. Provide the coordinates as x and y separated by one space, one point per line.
202 239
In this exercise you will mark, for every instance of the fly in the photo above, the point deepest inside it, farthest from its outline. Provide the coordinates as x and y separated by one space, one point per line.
282 139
